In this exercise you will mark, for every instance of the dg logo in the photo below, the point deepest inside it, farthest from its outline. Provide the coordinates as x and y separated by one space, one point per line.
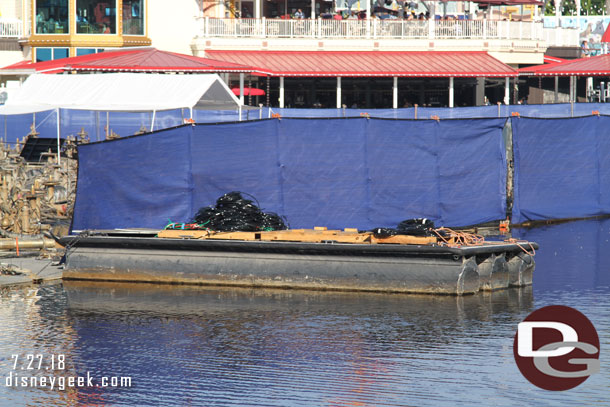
556 348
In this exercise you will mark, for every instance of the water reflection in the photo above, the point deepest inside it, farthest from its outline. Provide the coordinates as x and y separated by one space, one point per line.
209 346
315 347
573 255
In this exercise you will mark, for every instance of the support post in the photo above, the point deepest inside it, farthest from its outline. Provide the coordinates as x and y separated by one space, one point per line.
507 91
97 125
572 89
257 9
241 88
281 92
556 98
480 90
368 18
152 123
249 93
58 138
451 91
395 93
338 92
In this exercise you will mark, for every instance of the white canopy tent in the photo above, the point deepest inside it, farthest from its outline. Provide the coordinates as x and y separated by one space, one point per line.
127 92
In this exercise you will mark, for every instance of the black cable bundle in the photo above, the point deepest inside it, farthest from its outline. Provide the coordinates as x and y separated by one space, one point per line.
411 227
233 212
416 227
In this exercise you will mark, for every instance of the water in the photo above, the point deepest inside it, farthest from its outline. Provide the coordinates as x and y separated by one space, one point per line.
228 347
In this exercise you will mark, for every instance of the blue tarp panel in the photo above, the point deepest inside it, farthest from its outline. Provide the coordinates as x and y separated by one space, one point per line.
432 169
137 181
323 171
16 127
234 157
332 172
124 124
561 168
470 112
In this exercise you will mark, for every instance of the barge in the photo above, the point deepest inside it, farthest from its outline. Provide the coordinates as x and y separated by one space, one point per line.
299 259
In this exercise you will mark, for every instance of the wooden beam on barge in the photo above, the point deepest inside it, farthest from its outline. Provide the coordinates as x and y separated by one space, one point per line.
299 235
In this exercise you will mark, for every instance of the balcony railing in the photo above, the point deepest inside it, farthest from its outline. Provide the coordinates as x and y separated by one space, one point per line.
373 28
11 28
562 37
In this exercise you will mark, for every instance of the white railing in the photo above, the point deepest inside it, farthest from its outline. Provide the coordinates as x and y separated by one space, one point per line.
575 22
562 37
374 28
11 28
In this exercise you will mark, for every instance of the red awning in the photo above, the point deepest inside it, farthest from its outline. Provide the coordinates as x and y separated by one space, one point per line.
594 66
553 60
249 91
368 63
548 62
132 60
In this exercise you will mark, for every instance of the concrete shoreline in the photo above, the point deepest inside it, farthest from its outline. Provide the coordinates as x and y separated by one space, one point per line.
28 270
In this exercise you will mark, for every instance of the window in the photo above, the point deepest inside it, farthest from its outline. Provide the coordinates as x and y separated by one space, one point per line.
96 16
87 51
52 17
61 53
47 54
133 17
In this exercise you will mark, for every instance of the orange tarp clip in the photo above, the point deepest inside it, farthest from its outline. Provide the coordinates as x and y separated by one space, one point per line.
276 115
504 226
595 112
515 114
435 117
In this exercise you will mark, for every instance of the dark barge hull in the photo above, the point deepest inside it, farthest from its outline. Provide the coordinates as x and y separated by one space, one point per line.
323 266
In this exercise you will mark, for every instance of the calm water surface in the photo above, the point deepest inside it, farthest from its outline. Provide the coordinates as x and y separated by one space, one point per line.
225 347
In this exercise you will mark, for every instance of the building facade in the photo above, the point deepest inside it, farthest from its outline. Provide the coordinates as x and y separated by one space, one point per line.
39 30
42 30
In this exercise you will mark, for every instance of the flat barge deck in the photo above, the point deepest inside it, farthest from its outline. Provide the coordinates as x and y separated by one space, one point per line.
327 264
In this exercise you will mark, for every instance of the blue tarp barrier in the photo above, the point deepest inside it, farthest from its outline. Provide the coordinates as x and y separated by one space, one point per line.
16 127
234 157
13 127
561 168
470 112
134 181
333 172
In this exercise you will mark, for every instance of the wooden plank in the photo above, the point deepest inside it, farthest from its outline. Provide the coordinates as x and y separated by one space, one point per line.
339 237
235 235
183 234
298 235
404 239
